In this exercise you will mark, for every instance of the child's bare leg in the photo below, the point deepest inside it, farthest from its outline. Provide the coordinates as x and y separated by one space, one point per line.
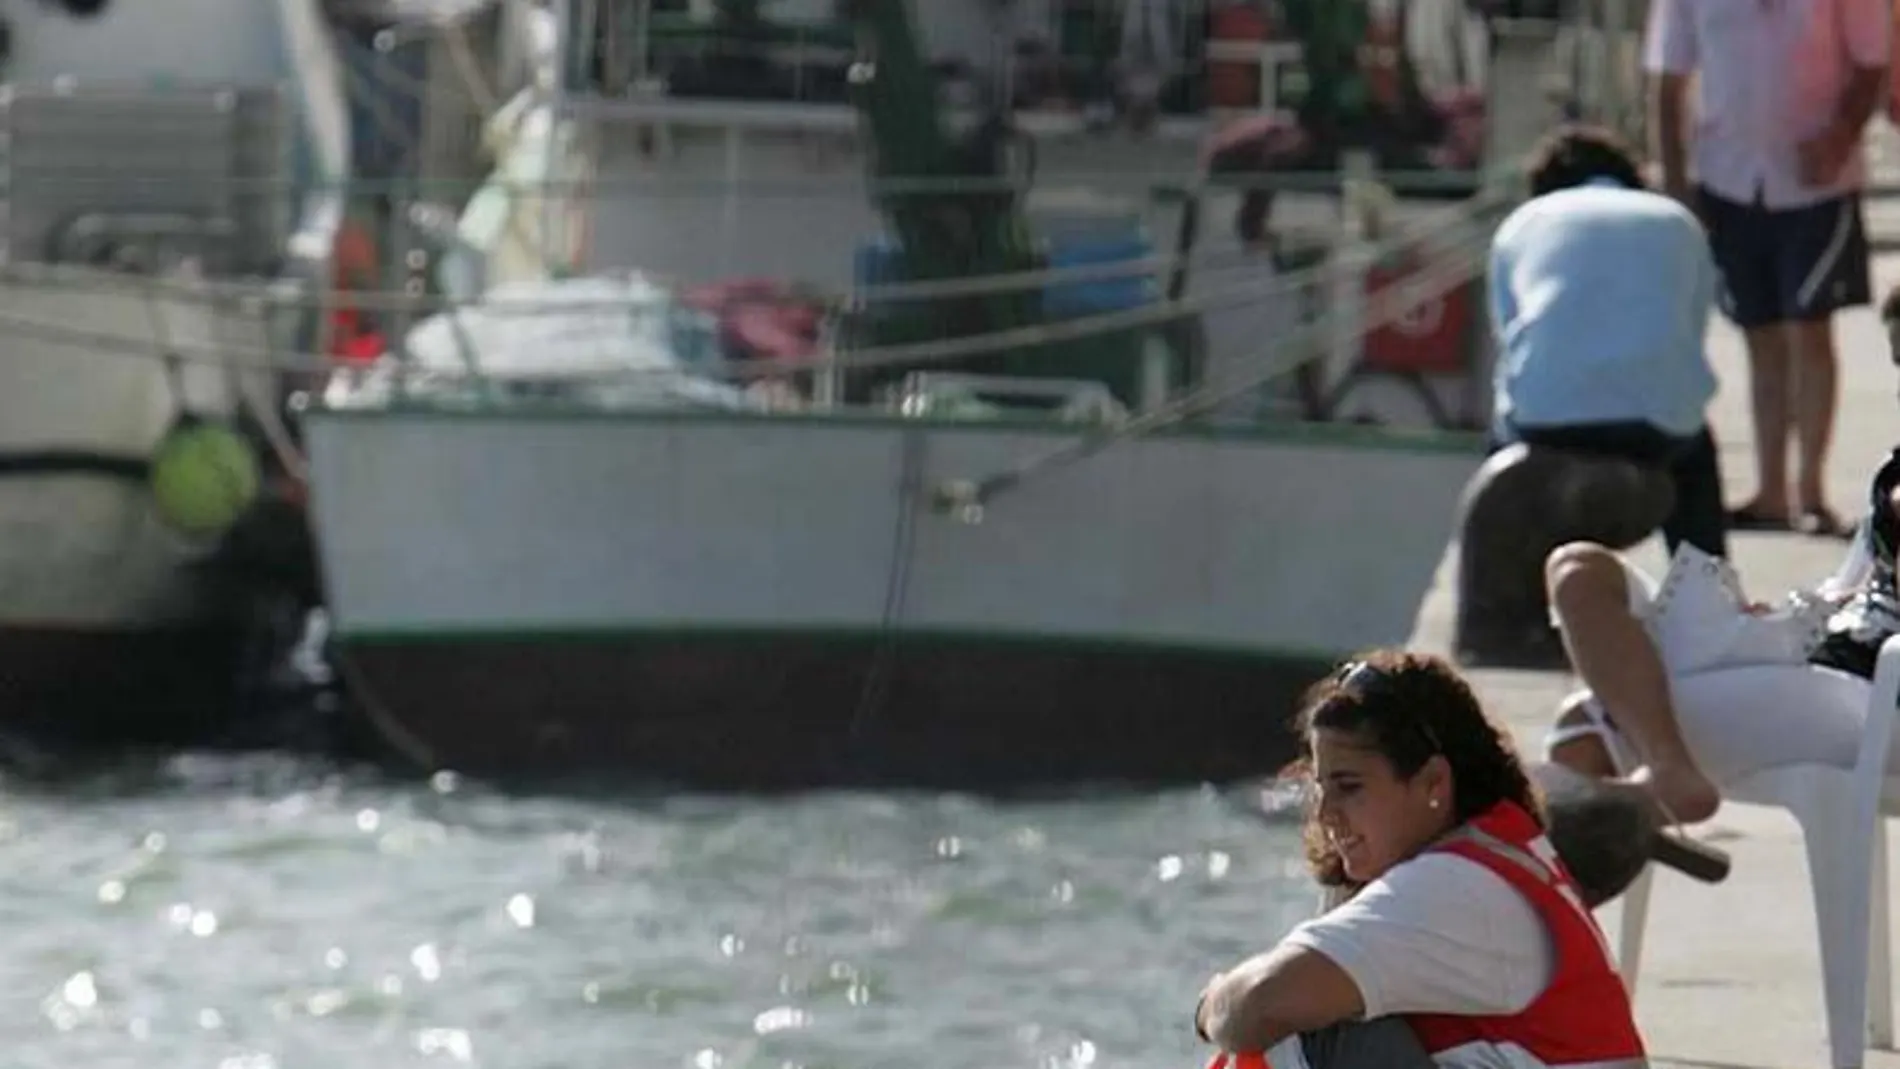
1613 654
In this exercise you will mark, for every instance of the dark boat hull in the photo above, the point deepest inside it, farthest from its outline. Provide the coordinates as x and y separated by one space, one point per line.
790 711
104 688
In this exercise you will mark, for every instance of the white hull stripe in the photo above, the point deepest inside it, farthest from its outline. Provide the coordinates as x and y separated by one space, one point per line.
1823 268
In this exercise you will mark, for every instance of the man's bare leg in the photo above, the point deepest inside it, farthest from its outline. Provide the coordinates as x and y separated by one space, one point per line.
1815 374
1770 382
1610 650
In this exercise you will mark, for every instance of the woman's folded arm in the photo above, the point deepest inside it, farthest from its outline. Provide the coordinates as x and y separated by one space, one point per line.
1283 992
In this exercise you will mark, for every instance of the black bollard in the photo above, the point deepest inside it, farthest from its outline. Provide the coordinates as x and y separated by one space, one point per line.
1522 503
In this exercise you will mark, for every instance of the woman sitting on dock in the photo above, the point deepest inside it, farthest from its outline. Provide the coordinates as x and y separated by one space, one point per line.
1460 939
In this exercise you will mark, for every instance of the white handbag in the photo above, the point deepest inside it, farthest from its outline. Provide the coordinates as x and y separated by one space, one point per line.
1700 619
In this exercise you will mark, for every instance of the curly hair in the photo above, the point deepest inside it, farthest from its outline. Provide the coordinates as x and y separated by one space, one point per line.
1576 153
1411 707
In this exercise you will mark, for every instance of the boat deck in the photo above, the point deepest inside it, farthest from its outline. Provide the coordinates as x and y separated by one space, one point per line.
797 209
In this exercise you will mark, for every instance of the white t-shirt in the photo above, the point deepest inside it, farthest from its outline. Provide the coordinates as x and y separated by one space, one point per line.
1437 934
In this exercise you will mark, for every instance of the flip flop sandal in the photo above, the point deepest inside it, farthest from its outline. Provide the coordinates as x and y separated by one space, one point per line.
1747 519
1822 523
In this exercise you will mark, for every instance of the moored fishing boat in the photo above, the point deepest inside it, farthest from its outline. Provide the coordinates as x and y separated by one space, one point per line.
167 168
973 540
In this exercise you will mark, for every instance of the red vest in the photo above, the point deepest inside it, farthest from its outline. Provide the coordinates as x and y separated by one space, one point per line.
1583 1017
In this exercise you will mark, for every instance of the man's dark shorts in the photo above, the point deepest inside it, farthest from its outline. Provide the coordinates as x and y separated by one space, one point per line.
1785 265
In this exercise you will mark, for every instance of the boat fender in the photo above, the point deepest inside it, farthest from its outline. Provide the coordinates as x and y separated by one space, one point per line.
205 476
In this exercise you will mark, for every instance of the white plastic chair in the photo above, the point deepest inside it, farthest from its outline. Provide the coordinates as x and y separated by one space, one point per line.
1842 818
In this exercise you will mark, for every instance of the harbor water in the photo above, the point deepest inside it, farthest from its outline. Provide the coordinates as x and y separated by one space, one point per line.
269 912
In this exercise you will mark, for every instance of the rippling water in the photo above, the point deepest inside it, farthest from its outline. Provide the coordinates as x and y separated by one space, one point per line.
251 913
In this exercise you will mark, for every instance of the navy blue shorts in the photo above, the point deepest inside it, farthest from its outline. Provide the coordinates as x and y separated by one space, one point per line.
1783 265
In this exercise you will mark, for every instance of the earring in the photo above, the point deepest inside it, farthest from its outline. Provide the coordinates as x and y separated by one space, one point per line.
1433 803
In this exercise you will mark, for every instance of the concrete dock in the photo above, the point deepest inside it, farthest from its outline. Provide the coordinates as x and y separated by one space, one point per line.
1731 973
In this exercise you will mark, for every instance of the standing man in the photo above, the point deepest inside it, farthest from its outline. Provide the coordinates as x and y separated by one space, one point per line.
1771 161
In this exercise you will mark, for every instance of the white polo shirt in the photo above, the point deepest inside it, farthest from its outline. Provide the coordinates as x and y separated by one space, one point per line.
1770 74
1437 934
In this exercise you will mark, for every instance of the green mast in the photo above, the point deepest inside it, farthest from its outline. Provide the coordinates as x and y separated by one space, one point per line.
948 229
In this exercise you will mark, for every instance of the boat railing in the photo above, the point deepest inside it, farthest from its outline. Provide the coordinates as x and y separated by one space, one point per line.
926 393
183 208
1455 234
1458 233
129 182
98 170
529 218
1053 62
1337 280
1051 58
526 221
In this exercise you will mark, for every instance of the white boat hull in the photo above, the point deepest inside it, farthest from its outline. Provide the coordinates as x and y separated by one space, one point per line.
81 544
743 597
84 551
147 150
112 624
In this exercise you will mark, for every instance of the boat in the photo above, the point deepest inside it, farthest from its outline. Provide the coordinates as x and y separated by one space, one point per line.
589 521
170 172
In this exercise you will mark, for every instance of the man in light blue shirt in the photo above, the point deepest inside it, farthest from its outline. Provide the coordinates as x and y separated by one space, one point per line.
1600 296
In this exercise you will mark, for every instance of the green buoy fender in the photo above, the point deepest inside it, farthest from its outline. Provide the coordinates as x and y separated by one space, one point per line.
205 476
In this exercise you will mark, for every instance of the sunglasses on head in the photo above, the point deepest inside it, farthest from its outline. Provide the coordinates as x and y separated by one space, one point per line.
1369 681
